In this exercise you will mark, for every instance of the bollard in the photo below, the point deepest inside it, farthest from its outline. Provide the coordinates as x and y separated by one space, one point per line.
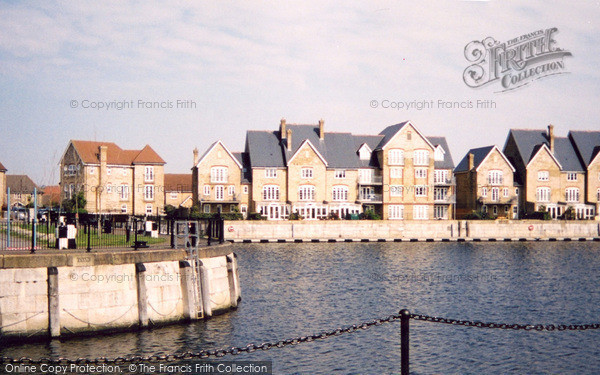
172 233
404 332
89 230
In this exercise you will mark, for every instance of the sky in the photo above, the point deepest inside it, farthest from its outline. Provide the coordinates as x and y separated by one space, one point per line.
245 65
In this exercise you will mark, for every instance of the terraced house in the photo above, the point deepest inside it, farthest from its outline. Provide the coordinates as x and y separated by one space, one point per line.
22 190
113 180
398 174
556 172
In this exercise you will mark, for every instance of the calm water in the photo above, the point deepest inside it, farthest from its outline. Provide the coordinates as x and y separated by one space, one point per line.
291 290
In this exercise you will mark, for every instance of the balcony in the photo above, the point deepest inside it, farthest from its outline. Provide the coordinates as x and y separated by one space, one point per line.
500 200
447 199
371 180
444 181
370 197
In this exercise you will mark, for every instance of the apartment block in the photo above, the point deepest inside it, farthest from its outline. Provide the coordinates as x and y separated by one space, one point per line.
305 170
112 179
485 183
551 173
22 189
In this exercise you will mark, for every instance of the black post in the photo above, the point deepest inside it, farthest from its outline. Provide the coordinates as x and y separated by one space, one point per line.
209 230
127 233
33 234
135 244
172 234
404 329
221 230
89 233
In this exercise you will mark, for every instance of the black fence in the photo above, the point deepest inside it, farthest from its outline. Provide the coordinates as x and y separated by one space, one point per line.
87 231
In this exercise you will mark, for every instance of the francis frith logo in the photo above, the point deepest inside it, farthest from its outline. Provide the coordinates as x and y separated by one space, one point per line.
516 62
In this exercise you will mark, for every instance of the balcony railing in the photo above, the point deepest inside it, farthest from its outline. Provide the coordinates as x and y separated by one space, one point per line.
371 180
445 199
370 197
444 181
499 200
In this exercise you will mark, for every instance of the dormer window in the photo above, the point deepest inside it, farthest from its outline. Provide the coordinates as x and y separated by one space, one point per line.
438 154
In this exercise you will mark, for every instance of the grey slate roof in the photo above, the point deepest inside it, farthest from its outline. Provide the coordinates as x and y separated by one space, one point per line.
372 141
264 149
587 145
389 132
447 163
478 155
20 184
529 141
244 160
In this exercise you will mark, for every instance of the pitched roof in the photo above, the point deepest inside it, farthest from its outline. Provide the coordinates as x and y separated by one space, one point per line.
372 141
389 132
115 155
51 195
447 163
478 155
2 168
587 145
529 142
264 149
175 182
244 159
20 184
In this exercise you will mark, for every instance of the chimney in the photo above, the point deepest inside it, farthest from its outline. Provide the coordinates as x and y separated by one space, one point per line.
551 137
102 150
282 130
289 139
195 156
471 161
321 129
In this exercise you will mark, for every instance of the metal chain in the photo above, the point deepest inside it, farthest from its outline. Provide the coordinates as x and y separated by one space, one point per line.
525 327
202 354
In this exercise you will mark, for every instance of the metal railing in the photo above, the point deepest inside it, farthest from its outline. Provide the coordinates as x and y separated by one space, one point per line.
370 197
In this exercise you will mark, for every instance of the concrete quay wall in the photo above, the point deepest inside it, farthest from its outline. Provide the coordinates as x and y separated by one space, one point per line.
377 230
54 295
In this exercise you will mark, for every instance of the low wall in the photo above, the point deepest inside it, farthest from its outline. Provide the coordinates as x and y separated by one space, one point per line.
58 294
389 230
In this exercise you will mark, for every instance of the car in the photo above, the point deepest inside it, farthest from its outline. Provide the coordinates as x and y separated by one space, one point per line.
19 213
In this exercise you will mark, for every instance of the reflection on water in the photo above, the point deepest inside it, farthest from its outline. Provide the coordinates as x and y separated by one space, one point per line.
297 289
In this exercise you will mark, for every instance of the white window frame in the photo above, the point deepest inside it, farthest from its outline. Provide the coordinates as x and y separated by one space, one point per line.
571 176
572 194
543 176
340 174
396 172
440 176
108 171
173 195
124 171
484 191
440 193
421 173
420 190
505 192
306 193
396 190
270 193
219 174
245 189
149 209
206 208
421 157
495 177
495 194
206 190
420 212
148 192
219 192
396 212
396 157
231 190
543 194
124 208
339 193
92 170
270 173
306 173
123 192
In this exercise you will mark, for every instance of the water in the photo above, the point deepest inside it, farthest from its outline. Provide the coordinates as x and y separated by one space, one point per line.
292 290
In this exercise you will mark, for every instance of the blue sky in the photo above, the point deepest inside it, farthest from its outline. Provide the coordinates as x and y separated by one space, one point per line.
248 64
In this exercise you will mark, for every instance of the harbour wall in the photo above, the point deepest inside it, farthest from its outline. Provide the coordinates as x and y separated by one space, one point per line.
388 230
61 294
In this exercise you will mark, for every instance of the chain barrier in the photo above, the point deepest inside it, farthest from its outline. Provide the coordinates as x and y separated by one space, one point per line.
203 354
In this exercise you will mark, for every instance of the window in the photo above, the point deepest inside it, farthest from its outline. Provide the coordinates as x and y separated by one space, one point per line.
92 170
395 172
440 176
485 209
173 195
207 208
71 170
123 208
506 209
206 189
108 171
543 194
396 190
148 209
495 210
396 157
440 194
306 193
409 136
306 173
495 194
218 174
219 192
421 157
231 190
124 192
149 192
571 176
340 193
420 172
505 192
572 195
543 176
270 173
420 212
396 212
109 189
440 212
245 189
598 195
438 154
124 171
340 173
495 178
270 192
517 191
484 192
232 207
420 191
244 209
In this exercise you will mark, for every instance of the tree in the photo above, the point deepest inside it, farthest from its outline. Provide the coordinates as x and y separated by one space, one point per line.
75 204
